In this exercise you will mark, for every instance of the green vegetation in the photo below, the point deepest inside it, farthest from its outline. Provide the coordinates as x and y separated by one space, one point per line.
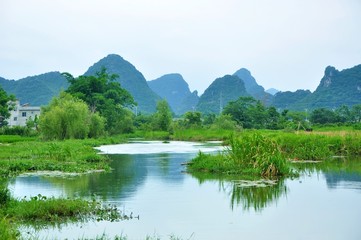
67 117
162 118
4 107
96 108
220 92
247 155
267 153
130 79
285 100
36 90
252 87
105 96
29 154
335 89
40 210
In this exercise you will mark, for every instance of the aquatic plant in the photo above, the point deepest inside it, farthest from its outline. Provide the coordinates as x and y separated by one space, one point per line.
252 154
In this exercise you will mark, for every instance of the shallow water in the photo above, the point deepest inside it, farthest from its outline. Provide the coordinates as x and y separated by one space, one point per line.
320 204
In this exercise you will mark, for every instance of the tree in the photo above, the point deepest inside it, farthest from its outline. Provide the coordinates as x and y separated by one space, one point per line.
239 110
192 119
273 118
224 121
356 113
104 95
343 114
162 117
5 107
68 117
323 116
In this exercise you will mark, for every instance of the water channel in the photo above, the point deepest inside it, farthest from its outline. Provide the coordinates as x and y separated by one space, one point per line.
148 180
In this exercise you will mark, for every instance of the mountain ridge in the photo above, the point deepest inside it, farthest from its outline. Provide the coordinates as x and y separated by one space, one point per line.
335 88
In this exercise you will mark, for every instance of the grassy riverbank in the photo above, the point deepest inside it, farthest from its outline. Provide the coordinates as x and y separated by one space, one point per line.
29 154
247 155
41 211
267 153
22 154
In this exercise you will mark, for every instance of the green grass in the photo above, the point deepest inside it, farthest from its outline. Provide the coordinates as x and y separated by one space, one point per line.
66 156
201 134
40 211
250 154
265 153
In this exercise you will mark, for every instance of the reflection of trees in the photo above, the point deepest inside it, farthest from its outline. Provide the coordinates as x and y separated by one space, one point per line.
128 173
251 194
124 179
335 170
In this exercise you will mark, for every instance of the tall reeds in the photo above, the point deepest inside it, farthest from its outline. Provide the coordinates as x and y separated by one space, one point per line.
252 154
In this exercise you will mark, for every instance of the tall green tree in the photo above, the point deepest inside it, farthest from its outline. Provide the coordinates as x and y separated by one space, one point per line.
273 118
69 117
162 118
192 119
104 95
242 111
356 113
5 107
323 116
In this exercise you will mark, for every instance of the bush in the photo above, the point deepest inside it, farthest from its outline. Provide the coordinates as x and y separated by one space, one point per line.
68 117
17 130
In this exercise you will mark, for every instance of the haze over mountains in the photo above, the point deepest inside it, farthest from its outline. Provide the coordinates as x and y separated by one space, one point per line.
336 88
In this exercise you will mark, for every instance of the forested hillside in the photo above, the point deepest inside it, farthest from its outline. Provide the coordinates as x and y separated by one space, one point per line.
220 92
36 90
252 87
336 88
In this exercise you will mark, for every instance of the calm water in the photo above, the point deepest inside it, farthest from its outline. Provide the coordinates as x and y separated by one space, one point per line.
148 180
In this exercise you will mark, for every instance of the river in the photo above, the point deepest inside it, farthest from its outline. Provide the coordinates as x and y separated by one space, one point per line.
149 181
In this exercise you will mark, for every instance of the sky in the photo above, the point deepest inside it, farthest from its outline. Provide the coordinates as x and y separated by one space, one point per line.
286 44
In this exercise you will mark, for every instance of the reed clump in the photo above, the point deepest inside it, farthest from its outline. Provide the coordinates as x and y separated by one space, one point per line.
249 154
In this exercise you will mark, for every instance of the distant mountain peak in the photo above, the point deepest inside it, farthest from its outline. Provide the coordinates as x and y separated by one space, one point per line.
252 87
175 90
130 79
330 72
220 92
272 91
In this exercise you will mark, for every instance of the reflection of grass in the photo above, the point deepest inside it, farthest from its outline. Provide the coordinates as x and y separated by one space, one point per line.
348 165
256 197
251 193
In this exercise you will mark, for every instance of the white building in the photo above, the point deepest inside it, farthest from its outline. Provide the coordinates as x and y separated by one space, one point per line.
22 113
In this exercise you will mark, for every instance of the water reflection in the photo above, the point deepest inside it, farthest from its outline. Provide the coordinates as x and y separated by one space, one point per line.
342 173
250 194
129 172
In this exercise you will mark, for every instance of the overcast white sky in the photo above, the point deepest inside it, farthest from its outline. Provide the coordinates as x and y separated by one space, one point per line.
286 44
